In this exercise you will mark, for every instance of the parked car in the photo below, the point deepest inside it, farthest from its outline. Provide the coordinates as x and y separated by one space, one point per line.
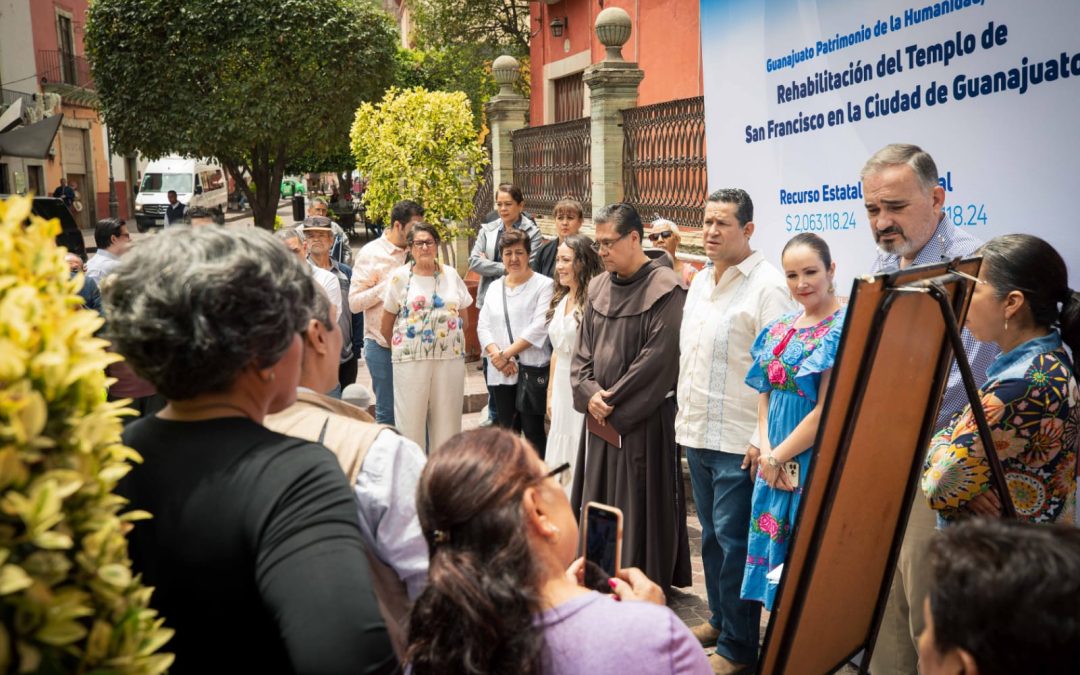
291 186
70 236
196 182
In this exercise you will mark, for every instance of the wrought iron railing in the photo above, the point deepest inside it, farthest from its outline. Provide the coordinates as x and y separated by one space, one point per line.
59 67
664 160
552 162
484 199
8 97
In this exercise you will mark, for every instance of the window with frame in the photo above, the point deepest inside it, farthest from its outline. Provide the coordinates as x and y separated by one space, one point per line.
569 98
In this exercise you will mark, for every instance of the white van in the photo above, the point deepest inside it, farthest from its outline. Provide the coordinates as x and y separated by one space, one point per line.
197 182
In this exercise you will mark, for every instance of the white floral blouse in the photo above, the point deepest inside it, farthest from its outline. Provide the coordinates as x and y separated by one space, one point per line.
429 324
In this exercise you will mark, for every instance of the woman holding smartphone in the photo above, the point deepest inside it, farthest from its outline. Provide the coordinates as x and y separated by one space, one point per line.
504 592
793 358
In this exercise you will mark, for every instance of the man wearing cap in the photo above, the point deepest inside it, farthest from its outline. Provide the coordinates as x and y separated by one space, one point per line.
318 239
295 242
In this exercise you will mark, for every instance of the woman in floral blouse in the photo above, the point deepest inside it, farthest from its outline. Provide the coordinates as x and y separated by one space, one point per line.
793 359
1023 304
423 324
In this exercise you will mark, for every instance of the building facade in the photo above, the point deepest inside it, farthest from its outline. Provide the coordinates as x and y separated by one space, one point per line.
43 63
665 43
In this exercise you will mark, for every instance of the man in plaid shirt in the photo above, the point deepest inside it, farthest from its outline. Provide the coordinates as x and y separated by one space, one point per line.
904 205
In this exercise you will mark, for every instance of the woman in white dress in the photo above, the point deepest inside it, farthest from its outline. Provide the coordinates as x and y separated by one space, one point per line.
576 263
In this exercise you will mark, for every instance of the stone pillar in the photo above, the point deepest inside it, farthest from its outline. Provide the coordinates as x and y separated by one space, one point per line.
613 86
506 111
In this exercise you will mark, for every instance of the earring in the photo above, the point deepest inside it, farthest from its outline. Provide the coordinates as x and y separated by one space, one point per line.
1006 324
832 289
553 530
272 375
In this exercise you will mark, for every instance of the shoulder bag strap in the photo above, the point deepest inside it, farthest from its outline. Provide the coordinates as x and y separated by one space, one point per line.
506 313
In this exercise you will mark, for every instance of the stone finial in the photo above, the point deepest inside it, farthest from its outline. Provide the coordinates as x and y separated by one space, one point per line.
506 71
613 30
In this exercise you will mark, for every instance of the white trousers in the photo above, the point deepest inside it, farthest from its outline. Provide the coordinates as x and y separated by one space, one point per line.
428 396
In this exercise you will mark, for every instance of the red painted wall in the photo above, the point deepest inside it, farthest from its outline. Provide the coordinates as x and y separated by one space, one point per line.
665 40
43 24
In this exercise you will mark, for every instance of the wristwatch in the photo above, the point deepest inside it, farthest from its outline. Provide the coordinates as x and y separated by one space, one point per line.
772 461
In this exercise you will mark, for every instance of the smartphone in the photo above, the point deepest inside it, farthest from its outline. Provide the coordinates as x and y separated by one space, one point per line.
602 544
792 470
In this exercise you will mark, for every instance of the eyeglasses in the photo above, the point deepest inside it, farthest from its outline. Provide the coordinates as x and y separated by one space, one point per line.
426 243
561 474
657 236
605 245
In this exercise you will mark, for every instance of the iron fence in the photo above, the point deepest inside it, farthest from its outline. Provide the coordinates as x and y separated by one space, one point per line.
664 160
484 199
8 97
59 67
552 162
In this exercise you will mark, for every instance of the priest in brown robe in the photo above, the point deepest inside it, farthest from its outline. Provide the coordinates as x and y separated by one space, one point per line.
623 375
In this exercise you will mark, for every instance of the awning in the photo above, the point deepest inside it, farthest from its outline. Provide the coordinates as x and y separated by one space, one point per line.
33 140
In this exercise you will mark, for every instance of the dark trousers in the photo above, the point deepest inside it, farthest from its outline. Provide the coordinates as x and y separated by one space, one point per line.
508 417
722 494
347 372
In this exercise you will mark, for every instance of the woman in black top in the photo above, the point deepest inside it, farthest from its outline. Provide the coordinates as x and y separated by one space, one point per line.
254 548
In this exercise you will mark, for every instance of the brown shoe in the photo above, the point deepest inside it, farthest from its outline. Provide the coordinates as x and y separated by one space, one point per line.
705 634
721 666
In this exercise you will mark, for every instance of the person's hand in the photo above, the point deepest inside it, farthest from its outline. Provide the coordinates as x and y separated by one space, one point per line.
371 281
632 584
986 504
575 574
751 461
774 477
598 408
510 369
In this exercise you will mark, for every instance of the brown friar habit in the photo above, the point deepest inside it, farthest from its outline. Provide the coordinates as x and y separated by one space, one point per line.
629 345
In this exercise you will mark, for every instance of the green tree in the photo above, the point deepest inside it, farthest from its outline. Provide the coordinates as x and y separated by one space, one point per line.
456 43
68 600
253 84
418 144
503 25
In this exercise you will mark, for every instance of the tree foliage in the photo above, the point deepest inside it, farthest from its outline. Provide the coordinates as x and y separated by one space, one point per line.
68 600
456 43
421 145
254 84
501 25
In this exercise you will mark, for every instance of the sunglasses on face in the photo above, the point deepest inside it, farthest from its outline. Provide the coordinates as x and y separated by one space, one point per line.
657 236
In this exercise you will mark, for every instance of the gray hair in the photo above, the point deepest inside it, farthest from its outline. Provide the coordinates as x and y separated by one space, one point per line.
898 154
287 233
322 310
744 206
664 221
190 309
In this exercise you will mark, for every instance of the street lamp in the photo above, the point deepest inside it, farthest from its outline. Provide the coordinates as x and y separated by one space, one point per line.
557 25
114 205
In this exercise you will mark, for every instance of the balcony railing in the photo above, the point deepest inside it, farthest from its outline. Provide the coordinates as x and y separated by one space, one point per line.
59 67
8 97
552 162
664 160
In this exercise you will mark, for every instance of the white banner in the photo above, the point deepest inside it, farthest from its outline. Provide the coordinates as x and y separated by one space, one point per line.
799 94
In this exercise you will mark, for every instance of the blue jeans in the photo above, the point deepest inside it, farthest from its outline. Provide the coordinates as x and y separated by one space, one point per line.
382 380
722 494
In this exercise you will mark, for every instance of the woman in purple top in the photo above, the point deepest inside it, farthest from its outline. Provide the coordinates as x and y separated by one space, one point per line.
503 592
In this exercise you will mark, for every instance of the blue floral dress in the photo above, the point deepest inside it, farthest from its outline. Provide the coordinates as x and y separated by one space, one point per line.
788 363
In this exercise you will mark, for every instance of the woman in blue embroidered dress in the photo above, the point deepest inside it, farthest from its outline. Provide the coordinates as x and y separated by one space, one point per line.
793 358
1023 304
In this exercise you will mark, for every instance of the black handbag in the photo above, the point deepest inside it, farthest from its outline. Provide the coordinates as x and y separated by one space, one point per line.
532 385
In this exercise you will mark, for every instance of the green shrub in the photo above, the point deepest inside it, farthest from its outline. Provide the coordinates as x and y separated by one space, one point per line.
68 600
